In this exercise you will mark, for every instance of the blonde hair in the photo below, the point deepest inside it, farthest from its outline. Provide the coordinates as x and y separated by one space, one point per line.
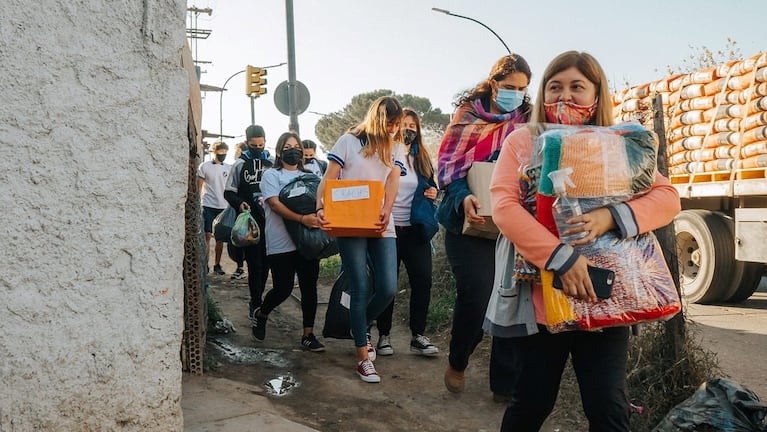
590 68
383 111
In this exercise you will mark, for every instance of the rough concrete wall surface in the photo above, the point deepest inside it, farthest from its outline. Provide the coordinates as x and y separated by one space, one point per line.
93 160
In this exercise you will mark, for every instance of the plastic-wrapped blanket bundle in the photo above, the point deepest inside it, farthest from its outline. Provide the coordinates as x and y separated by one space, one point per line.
643 289
610 165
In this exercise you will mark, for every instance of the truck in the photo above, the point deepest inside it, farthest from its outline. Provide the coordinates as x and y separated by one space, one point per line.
715 127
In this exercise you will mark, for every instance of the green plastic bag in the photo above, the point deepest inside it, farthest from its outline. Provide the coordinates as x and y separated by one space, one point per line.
245 231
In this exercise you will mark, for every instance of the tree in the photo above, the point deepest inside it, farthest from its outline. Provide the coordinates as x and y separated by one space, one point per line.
704 58
333 125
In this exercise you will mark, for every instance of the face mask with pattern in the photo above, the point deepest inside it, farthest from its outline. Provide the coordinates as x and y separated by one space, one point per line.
568 113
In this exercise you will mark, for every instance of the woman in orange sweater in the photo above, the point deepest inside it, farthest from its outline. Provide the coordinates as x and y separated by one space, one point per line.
573 91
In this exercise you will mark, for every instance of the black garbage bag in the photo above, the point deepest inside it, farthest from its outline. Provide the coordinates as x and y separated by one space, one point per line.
300 194
338 317
311 243
223 223
718 405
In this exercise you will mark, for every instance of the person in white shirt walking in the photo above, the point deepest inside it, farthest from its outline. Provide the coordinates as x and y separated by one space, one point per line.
211 180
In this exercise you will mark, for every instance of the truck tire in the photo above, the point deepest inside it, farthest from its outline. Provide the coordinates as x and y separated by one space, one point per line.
706 254
749 282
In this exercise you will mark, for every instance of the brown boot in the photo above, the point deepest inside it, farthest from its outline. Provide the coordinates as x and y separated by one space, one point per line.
454 380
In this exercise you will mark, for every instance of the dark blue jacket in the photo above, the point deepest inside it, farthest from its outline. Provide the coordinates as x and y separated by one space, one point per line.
422 210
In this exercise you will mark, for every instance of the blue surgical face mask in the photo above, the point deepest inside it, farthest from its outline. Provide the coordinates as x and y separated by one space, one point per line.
509 100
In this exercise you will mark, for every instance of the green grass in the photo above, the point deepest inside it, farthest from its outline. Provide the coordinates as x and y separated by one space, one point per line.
329 268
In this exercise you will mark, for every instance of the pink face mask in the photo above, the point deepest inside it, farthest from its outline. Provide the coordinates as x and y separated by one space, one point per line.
568 113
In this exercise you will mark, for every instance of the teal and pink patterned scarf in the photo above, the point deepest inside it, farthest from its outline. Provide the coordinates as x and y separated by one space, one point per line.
472 135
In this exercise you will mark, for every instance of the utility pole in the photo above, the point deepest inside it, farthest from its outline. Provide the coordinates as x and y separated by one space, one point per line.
292 100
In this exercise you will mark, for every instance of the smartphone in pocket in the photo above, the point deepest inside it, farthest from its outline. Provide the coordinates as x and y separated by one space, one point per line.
601 279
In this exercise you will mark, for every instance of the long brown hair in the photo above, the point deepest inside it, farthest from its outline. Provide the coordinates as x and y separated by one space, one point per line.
502 68
421 158
383 111
590 68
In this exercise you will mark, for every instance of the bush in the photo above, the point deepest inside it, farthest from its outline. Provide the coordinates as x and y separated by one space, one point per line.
329 268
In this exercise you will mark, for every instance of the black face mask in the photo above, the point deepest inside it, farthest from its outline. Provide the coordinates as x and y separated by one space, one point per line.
256 152
292 156
409 136
220 157
308 161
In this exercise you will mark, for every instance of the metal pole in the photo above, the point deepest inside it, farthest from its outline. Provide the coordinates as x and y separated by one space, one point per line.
292 102
252 111
220 106
447 12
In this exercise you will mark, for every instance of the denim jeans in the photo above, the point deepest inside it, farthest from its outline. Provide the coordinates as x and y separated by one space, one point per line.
364 308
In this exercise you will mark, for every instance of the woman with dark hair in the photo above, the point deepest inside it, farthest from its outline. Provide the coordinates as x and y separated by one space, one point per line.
415 224
283 257
484 117
369 151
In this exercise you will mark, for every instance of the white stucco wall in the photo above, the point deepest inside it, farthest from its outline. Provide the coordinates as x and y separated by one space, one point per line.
93 157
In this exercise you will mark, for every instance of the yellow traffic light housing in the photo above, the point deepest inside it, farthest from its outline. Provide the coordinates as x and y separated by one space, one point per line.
254 81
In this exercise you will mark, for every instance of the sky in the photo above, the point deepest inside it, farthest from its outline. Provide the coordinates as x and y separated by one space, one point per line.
348 47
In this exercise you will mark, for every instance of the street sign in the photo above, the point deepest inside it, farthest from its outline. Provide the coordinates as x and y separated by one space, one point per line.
281 97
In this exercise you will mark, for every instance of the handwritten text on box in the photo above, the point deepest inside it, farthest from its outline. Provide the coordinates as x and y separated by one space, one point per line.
351 193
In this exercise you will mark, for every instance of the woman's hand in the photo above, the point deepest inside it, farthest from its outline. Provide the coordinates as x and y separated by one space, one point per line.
470 206
576 282
383 220
244 206
430 193
595 223
320 214
310 220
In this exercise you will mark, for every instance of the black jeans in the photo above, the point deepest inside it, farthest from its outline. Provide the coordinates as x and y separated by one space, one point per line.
235 253
599 360
284 267
416 255
258 270
472 260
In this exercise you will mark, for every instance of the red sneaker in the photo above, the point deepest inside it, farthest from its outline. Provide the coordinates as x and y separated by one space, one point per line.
367 372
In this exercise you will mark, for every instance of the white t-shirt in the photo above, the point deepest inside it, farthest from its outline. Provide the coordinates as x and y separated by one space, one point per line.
347 153
277 238
404 201
214 181
314 167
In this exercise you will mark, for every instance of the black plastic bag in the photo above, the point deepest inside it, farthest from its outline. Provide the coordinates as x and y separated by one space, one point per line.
300 195
311 243
338 317
718 405
223 223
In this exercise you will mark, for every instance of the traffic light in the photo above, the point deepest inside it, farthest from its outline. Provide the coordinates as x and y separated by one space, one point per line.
254 81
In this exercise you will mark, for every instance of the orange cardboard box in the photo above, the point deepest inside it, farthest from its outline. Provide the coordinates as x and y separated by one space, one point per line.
352 207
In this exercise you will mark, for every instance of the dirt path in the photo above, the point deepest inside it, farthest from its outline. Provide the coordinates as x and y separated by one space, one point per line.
329 395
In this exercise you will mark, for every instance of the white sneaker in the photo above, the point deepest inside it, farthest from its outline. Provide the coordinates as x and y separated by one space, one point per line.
367 372
384 347
371 350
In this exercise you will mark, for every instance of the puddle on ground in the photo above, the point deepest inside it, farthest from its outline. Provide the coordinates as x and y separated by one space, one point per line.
250 355
281 385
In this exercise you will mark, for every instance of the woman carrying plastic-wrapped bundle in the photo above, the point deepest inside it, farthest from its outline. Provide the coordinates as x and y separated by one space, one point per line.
574 91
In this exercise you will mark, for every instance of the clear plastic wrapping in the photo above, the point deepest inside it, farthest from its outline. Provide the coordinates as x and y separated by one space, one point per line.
643 289
610 165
